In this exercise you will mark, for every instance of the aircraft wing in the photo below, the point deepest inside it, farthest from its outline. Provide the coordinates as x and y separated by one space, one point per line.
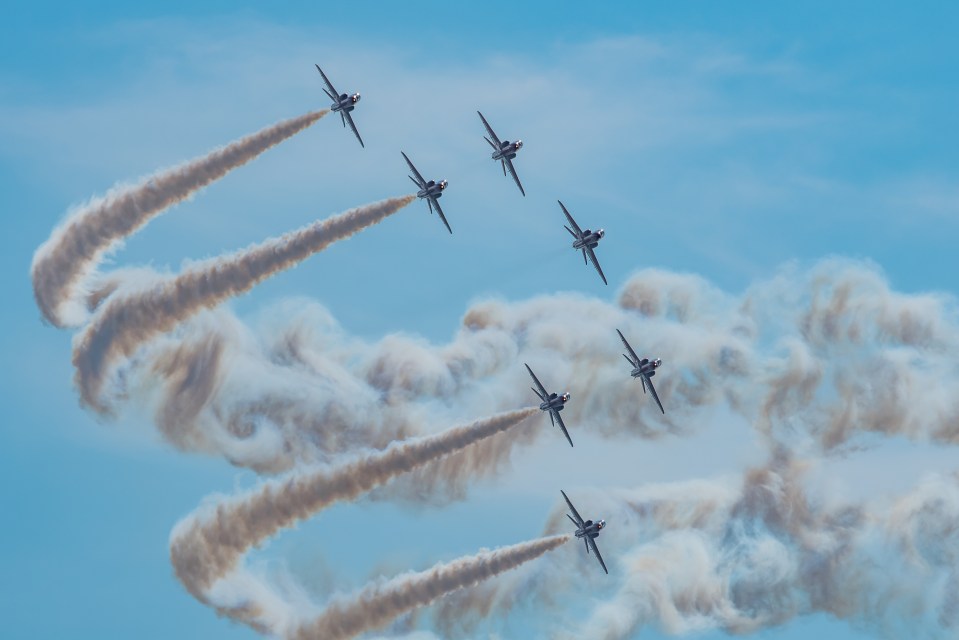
489 130
536 380
592 258
652 390
512 172
579 518
562 426
579 232
591 542
349 120
329 84
436 203
629 348
419 177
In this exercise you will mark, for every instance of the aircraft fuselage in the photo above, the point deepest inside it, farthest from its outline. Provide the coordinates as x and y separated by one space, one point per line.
554 402
590 529
433 189
646 368
345 102
507 150
590 239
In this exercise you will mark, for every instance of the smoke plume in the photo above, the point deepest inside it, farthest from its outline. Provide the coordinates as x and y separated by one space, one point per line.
78 244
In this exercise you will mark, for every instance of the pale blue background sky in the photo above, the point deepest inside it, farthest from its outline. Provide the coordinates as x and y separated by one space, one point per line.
715 138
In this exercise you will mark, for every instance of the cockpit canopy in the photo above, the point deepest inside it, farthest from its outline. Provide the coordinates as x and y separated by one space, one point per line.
356 98
443 184
518 144
566 397
602 233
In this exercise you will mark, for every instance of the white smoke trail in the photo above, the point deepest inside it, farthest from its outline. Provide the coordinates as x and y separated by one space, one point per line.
126 322
206 548
378 604
81 241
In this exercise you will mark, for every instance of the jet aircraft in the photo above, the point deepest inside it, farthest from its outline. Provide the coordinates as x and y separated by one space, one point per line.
644 369
552 403
587 530
503 151
342 104
431 191
585 241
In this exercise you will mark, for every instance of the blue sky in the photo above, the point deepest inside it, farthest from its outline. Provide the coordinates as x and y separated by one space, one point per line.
718 139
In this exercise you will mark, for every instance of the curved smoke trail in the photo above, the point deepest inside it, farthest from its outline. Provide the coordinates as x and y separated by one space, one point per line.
76 245
126 322
205 549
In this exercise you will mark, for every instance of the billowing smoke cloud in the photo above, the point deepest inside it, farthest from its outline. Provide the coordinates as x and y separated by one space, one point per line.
806 370
691 556
90 231
378 604
206 548
126 322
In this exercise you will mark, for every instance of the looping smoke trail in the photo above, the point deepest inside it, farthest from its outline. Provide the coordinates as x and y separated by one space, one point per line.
77 244
205 549
126 322
378 604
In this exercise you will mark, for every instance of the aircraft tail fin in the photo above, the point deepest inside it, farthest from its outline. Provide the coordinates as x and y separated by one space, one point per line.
584 257
571 232
551 420
629 360
429 201
490 142
415 182
586 542
538 394
643 378
330 95
343 118
571 520
503 162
